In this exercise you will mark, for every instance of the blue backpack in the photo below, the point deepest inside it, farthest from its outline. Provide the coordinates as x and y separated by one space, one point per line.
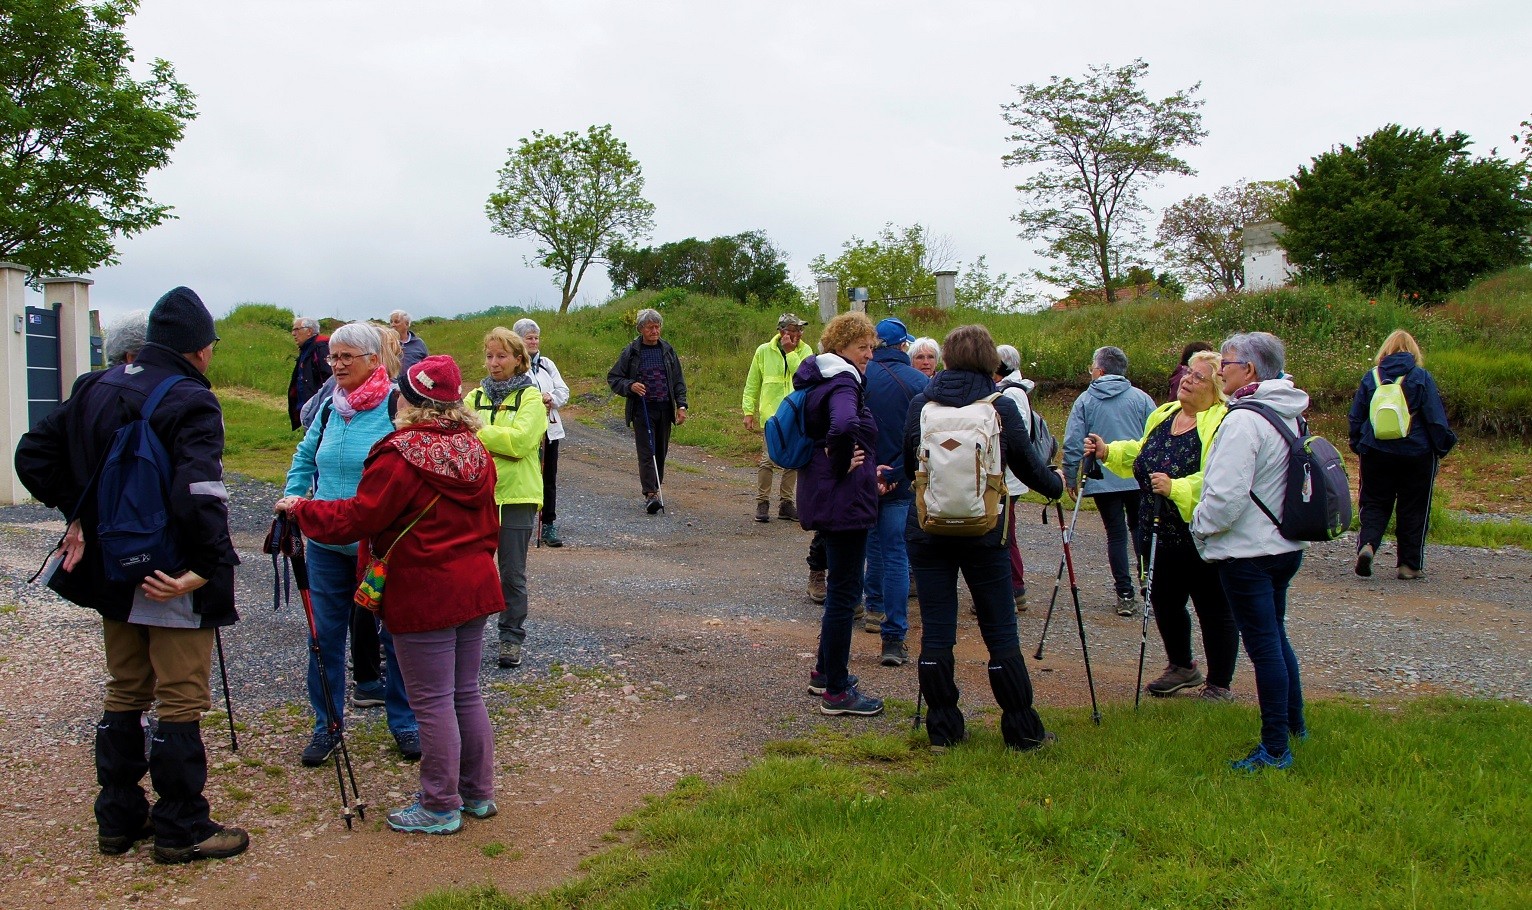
787 435
132 489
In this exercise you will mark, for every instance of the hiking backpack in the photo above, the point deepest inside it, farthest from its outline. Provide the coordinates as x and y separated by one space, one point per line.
960 484
132 489
1389 410
788 444
1317 504
1043 442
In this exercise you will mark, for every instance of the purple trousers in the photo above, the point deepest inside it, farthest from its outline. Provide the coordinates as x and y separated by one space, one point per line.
457 745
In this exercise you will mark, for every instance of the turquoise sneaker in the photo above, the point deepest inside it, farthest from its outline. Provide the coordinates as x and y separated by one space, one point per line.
417 819
480 808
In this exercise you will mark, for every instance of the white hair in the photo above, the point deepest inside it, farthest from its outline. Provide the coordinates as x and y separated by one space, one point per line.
400 314
306 322
1010 358
921 344
524 325
360 335
646 316
125 336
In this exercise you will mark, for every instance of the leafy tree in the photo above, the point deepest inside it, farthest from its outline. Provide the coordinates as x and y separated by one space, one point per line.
78 135
1203 238
1002 293
746 267
898 263
1524 139
1094 143
1409 211
577 195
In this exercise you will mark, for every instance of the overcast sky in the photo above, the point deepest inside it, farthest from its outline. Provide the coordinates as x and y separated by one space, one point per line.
344 150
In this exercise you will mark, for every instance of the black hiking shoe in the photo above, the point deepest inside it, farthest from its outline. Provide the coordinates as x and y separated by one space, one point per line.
1364 561
894 654
319 749
118 844
222 844
763 511
655 505
550 536
787 510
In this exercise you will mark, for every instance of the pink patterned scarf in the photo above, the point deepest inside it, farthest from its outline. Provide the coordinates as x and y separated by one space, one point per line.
365 397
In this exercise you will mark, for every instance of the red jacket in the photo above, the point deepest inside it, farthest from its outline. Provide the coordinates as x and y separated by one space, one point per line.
443 572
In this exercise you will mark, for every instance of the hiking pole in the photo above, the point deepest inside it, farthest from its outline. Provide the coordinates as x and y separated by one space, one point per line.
537 521
1074 591
654 459
1068 533
228 703
1147 590
1430 495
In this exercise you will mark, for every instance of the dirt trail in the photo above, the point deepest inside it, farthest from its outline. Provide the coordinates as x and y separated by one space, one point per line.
659 647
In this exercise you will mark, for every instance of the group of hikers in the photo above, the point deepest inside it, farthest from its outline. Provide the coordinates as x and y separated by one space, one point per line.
402 476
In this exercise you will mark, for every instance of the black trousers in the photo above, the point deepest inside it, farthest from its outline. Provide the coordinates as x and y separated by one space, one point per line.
550 481
1399 485
651 461
1179 575
366 646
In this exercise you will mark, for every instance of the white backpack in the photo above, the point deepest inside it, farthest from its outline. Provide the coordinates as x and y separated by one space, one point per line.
959 486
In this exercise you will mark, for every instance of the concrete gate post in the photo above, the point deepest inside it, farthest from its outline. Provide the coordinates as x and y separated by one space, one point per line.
13 405
829 299
72 295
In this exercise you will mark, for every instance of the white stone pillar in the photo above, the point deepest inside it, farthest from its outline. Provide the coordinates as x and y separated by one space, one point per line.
13 405
72 295
946 289
829 299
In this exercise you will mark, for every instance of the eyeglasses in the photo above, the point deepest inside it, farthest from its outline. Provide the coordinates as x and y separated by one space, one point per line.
344 360
1197 377
216 339
1233 363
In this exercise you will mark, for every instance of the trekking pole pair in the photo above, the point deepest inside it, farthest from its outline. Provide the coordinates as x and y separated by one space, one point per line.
1067 534
1147 590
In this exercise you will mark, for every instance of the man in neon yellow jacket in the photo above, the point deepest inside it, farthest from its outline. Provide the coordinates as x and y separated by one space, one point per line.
770 381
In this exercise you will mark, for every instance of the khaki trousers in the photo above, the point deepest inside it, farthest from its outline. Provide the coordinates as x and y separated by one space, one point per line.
764 468
149 664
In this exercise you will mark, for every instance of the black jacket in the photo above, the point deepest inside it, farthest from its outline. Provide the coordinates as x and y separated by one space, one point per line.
625 372
957 388
58 458
309 373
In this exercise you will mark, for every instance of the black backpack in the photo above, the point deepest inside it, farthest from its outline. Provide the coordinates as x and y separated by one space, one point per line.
1317 504
1043 443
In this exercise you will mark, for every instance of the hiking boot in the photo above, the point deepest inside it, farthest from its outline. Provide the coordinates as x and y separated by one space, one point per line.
894 654
1174 679
654 505
1259 760
417 819
1211 692
319 748
551 537
763 511
858 613
369 694
817 682
479 808
817 585
1126 605
118 844
1049 738
510 655
787 511
223 843
409 744
1408 574
1364 561
850 702
872 622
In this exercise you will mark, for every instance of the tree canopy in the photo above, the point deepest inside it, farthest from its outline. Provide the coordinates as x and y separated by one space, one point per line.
577 195
746 267
79 135
899 262
1407 211
1091 146
1202 238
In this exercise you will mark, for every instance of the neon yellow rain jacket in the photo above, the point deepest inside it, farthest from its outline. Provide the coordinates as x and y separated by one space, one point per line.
771 377
513 434
1184 491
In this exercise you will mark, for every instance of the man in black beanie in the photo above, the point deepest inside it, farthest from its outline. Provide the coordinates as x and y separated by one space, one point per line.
158 633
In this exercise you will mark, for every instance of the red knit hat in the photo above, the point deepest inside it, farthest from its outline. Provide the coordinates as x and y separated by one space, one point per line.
434 379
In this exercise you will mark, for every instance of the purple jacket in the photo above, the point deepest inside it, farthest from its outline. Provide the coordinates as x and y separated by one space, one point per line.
831 497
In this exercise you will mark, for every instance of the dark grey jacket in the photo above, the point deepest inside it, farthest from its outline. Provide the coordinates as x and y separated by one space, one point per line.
625 372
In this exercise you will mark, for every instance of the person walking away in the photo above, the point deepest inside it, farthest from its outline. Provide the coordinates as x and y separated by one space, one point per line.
768 382
648 374
840 497
412 347
1168 464
1010 383
891 384
545 375
158 635
1248 461
1112 408
426 499
1397 473
328 465
310 371
971 362
510 409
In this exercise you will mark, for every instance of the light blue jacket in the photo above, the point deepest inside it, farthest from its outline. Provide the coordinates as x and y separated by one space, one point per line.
336 453
1112 408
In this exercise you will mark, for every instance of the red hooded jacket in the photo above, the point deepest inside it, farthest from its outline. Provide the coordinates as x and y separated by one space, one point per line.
443 572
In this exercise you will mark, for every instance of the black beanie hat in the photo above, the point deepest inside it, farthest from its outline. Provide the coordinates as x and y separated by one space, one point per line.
180 322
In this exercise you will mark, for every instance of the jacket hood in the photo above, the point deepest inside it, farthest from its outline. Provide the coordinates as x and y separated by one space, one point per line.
823 368
1395 365
891 355
449 457
1015 376
959 387
1285 398
1109 386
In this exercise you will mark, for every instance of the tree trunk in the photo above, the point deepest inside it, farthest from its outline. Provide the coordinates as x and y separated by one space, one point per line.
1106 269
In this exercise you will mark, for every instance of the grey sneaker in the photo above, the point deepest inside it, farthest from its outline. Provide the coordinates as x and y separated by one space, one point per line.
873 622
894 654
369 694
1174 679
222 844
763 511
1211 692
818 683
1408 574
1126 605
417 819
510 654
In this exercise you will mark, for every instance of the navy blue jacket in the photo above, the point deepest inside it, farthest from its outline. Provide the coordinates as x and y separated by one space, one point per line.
891 385
1429 433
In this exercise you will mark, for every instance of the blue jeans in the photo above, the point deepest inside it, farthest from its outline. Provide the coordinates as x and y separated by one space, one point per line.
844 552
1257 592
888 569
987 570
332 583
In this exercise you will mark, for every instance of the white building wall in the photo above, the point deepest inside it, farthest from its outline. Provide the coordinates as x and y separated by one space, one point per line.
1266 264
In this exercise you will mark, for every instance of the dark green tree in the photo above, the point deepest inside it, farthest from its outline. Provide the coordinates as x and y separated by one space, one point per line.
1407 211
744 266
79 135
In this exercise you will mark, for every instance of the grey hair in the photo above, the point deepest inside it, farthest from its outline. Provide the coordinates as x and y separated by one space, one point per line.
400 314
306 322
921 344
360 335
1111 361
1262 350
1010 358
646 316
125 336
523 326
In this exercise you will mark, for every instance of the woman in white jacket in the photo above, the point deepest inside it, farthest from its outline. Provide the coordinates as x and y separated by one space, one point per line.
1248 460
545 375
